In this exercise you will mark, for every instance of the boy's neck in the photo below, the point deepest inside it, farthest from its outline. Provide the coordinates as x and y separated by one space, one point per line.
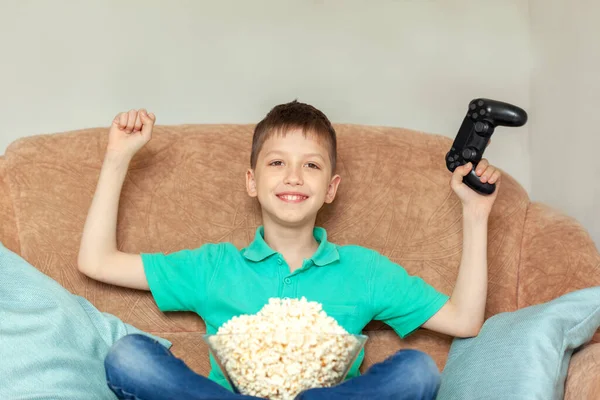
294 243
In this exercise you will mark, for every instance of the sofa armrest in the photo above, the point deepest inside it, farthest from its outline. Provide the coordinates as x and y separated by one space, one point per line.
558 256
584 371
8 224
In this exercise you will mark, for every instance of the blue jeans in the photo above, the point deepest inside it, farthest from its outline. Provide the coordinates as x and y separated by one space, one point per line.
138 367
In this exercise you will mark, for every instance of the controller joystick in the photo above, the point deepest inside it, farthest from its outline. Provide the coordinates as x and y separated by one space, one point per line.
483 116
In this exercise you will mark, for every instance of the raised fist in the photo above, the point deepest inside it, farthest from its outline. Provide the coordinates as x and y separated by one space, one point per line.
130 131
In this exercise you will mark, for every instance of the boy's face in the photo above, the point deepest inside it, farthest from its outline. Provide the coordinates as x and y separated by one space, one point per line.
292 178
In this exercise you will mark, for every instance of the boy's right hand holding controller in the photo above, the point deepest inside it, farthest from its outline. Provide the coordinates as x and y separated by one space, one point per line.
99 257
130 131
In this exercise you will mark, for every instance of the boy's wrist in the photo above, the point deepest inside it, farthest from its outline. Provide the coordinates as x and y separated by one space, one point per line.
116 162
475 215
117 157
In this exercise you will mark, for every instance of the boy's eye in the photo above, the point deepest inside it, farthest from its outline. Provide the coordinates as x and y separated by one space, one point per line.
276 163
312 165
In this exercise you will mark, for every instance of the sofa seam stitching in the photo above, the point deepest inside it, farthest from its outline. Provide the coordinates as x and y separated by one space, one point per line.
13 201
521 249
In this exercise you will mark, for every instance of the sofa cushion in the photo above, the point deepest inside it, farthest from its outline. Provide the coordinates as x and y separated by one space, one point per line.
523 354
52 343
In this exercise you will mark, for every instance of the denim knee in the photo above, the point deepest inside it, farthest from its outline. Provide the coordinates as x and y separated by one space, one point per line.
125 355
419 369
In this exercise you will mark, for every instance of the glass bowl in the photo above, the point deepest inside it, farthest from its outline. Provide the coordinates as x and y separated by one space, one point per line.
280 365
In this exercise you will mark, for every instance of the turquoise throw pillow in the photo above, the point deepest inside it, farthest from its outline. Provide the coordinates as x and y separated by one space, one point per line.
523 354
52 343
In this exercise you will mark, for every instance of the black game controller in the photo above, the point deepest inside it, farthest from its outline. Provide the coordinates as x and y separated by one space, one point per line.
483 116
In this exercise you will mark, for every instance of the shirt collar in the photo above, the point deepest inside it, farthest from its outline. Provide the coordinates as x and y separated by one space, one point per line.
326 253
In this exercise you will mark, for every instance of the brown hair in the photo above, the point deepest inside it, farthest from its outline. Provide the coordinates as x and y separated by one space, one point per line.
294 115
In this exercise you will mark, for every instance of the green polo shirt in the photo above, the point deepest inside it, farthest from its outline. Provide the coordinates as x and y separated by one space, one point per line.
354 284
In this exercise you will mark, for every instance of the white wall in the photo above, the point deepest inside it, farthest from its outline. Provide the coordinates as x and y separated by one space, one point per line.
416 64
565 104
69 64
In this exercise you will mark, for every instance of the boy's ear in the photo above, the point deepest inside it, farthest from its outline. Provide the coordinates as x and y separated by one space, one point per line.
332 188
251 183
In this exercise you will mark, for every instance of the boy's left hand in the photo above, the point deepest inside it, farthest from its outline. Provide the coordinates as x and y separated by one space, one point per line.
473 202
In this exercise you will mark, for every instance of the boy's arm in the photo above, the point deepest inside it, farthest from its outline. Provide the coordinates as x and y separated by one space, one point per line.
98 256
463 314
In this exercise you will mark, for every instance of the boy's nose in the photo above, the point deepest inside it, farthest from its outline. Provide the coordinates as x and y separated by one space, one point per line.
294 177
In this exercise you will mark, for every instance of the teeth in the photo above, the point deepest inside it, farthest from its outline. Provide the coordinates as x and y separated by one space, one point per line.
292 197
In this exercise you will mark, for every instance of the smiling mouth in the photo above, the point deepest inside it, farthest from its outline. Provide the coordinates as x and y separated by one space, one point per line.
292 198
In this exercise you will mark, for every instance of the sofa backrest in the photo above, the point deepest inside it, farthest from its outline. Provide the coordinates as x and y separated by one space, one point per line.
186 188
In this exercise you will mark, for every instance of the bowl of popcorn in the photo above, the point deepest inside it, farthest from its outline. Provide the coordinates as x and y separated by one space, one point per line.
289 346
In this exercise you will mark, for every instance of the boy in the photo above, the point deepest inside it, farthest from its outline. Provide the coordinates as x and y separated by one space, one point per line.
292 173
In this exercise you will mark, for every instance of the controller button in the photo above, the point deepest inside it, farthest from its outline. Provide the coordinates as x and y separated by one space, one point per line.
474 115
469 154
452 166
453 149
472 106
451 158
480 103
481 127
482 111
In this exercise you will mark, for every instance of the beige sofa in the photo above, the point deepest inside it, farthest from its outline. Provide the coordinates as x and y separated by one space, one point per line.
186 187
